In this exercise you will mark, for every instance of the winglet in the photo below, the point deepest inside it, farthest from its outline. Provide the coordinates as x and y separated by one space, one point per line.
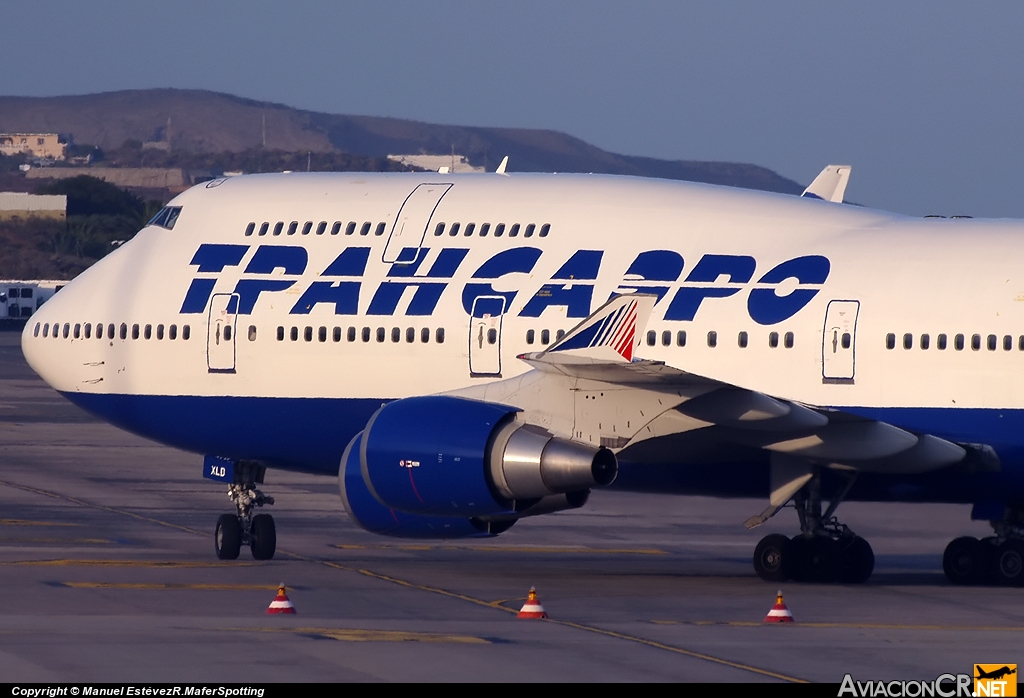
610 334
502 166
830 184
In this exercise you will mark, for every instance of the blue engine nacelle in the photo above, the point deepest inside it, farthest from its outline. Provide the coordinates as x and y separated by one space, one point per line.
454 457
375 517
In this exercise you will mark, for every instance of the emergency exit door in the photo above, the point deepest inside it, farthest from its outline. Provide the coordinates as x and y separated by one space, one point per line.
839 343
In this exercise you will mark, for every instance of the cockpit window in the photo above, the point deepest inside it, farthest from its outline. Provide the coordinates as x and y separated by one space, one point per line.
167 217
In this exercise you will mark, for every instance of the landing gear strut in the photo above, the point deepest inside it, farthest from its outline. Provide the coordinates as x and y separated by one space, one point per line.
998 559
824 551
234 531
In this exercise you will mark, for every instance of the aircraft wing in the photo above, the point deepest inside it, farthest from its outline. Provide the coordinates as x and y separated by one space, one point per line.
594 352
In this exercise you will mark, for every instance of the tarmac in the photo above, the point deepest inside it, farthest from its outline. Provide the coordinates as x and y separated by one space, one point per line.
109 575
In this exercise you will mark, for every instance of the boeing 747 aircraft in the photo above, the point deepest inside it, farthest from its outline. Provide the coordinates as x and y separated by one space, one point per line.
462 351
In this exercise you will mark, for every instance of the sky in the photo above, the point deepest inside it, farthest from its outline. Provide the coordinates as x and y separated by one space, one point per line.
924 100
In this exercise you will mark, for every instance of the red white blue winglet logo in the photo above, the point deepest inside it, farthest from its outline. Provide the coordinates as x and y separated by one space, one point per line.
616 329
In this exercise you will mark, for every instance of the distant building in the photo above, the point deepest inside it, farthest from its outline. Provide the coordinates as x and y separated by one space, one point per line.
19 299
19 205
448 163
40 145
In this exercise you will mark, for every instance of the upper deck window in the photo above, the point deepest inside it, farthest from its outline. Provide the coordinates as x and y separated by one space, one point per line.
166 217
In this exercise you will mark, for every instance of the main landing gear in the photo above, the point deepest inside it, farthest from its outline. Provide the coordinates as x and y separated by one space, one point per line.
998 559
233 531
824 551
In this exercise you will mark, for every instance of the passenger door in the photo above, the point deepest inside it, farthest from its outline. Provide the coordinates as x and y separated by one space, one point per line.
220 333
838 349
485 336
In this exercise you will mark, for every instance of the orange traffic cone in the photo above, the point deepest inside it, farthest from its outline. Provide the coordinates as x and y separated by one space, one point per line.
779 612
532 607
281 604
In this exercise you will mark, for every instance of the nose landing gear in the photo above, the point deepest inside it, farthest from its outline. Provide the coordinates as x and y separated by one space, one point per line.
234 531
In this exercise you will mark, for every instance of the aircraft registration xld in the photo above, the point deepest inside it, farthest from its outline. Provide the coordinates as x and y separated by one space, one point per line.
465 351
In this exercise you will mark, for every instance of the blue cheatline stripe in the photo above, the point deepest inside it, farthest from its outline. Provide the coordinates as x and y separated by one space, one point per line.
307 434
310 434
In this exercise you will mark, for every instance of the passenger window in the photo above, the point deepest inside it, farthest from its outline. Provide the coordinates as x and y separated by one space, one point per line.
410 335
78 330
278 227
46 330
321 334
681 338
351 336
528 233
513 231
993 342
712 339
110 331
173 332
336 228
322 226
908 341
545 337
380 230
890 341
773 339
924 341
135 331
292 227
499 230
147 332
545 229
470 228
1007 343
529 336
366 334
365 229
492 336
666 338
252 332
484 229
652 338
1020 341
742 340
99 331
439 230
940 342
306 227
227 333
280 333
249 229
124 331
307 334
349 230
88 330
294 334
160 331
454 230
788 340
975 342
425 335
337 334
958 342
559 334
847 340
439 335
396 334
381 334
186 332
263 228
